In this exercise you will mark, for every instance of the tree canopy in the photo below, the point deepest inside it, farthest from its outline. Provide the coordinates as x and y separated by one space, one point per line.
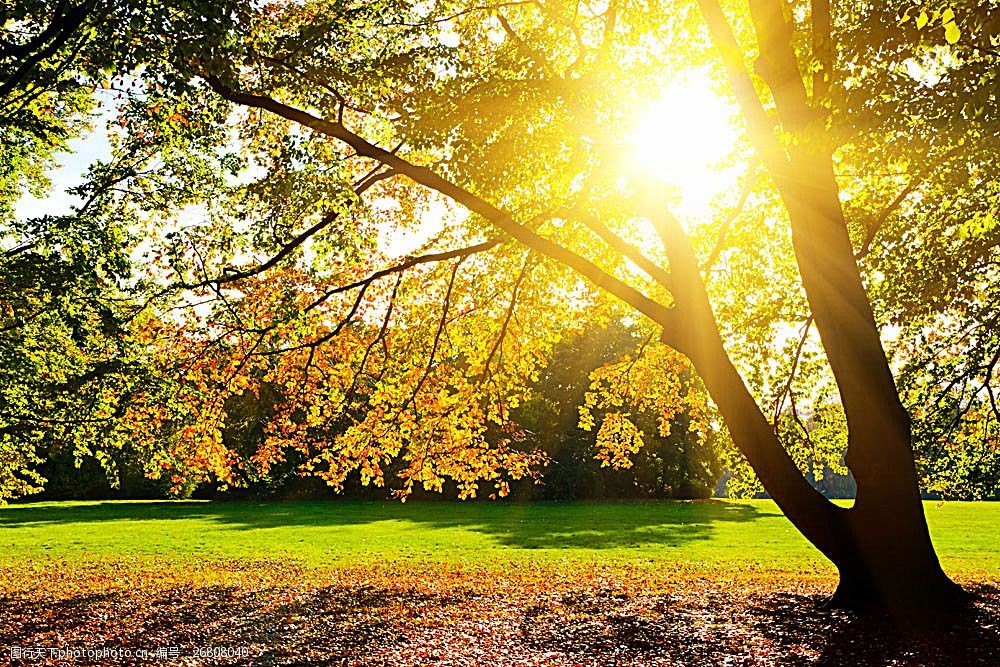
386 215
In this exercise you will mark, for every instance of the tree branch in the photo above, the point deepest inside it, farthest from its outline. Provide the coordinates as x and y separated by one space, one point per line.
507 317
875 225
230 276
437 339
626 249
428 178
59 30
822 50
720 242
779 402
759 123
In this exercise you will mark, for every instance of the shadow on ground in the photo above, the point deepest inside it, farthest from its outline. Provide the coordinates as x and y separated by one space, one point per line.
393 625
527 526
842 638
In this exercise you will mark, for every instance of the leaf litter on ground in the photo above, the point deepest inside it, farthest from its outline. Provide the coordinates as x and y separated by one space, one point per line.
275 613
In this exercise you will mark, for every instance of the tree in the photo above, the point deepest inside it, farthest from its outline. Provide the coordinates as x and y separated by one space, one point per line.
67 290
510 111
57 323
929 256
880 545
591 379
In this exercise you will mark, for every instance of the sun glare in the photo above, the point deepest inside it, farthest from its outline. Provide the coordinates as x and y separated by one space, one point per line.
682 138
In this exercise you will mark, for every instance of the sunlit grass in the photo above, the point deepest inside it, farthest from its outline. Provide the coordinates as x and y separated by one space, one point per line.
711 536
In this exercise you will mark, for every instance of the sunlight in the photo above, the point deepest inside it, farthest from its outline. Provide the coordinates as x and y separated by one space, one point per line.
682 138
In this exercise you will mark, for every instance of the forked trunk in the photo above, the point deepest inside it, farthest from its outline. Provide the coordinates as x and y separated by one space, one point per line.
880 546
887 558
890 560
884 551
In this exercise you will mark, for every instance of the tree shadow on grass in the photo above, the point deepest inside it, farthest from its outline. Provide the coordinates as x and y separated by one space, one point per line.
596 525
580 525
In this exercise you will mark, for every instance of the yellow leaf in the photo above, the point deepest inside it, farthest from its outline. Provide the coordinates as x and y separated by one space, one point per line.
952 33
922 19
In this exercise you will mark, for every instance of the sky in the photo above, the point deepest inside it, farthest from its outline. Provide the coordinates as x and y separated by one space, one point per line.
73 165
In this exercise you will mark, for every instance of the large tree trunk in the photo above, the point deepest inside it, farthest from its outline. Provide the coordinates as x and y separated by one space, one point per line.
891 559
881 546
890 563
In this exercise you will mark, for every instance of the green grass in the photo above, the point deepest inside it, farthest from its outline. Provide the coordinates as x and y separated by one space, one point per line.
744 535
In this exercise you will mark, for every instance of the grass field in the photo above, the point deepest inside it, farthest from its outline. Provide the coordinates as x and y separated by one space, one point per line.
711 534
662 584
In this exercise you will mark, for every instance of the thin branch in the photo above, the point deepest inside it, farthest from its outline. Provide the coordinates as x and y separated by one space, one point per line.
380 338
875 224
403 266
22 50
798 422
231 275
17 250
610 23
330 335
779 402
623 247
325 85
519 42
437 339
507 317
720 243
987 382
63 26
980 48
822 50
460 14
